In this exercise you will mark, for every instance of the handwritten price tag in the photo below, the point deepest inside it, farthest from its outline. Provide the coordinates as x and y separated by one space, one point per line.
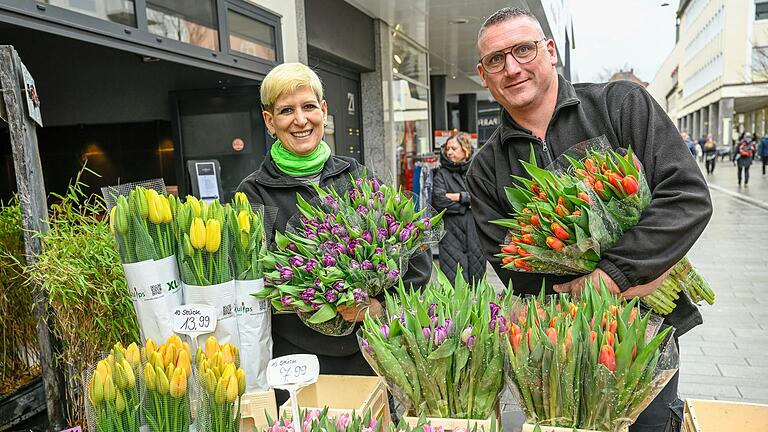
293 371
194 319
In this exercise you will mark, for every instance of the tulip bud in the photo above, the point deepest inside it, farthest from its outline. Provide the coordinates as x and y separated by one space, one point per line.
183 362
226 353
210 381
194 204
211 347
608 358
150 347
150 377
178 386
233 389
121 215
169 369
170 354
552 335
609 338
163 386
554 243
103 367
119 377
119 402
109 389
197 233
96 388
165 209
140 202
240 374
212 235
155 208
128 374
188 249
112 220
244 221
132 355
221 391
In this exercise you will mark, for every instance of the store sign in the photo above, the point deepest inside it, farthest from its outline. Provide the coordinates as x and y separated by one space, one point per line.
30 93
194 319
488 121
206 181
293 370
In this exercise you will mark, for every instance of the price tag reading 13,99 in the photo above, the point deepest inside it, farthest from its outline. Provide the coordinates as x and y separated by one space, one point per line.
294 370
194 319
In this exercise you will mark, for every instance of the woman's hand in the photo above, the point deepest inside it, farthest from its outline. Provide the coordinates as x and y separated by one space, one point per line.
453 196
357 313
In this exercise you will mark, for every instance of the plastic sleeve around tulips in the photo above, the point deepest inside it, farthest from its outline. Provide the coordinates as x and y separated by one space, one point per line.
440 350
567 216
594 364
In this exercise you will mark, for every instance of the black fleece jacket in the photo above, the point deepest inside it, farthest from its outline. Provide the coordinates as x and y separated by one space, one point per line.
277 192
628 116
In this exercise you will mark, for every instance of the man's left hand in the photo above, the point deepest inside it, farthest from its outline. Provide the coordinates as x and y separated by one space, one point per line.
575 286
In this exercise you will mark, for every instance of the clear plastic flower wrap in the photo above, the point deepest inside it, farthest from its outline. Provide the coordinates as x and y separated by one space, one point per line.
595 363
220 384
567 215
166 386
349 244
112 391
439 350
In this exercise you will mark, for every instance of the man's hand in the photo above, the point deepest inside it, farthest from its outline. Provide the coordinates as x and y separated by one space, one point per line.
357 313
453 196
645 289
574 287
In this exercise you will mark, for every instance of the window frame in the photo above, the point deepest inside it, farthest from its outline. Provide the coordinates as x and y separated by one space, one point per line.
255 13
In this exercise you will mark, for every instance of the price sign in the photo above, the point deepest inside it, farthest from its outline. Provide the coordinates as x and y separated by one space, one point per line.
194 319
293 371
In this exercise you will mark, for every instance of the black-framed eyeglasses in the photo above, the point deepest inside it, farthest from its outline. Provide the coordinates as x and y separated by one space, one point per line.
524 52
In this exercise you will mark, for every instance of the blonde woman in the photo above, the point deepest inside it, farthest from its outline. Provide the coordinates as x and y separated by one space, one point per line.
295 113
460 245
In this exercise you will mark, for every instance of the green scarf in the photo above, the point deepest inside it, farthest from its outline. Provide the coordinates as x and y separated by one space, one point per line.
300 166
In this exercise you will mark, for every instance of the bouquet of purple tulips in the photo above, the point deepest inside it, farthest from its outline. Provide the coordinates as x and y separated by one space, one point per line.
344 248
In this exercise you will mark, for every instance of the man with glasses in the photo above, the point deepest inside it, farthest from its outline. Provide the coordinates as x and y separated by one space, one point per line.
544 112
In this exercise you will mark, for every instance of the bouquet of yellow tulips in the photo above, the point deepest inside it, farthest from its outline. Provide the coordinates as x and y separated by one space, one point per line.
204 262
142 221
166 376
222 384
245 228
112 402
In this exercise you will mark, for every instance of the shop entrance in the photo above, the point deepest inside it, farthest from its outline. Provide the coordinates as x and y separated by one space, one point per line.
223 125
342 92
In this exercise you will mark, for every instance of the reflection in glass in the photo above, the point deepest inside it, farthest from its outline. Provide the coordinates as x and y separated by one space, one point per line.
410 103
409 61
251 37
118 11
193 22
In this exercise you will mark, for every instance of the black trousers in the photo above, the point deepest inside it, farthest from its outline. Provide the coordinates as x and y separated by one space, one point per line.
710 164
765 162
660 415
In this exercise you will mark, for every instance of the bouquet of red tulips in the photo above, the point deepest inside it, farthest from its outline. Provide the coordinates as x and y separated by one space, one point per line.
595 363
566 216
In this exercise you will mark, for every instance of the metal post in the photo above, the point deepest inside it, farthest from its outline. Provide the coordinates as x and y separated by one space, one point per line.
34 214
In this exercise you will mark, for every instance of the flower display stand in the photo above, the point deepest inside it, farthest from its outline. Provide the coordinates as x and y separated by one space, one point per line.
715 416
253 408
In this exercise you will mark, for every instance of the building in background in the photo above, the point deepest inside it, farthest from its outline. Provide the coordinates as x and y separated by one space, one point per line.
627 76
143 88
714 81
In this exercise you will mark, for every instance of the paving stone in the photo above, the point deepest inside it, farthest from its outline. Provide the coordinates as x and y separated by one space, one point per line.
717 360
756 372
698 368
754 393
707 390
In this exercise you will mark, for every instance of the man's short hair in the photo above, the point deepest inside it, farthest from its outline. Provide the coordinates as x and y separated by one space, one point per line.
502 15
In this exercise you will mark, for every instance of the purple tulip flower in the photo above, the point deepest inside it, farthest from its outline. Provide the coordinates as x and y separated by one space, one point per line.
362 211
359 295
367 346
405 235
286 273
339 231
393 227
329 260
384 329
382 234
367 236
318 283
393 274
331 201
296 261
495 309
427 223
339 286
307 295
311 264
375 185
286 301
470 341
331 296
381 268
441 334
366 265
427 333
292 247
354 265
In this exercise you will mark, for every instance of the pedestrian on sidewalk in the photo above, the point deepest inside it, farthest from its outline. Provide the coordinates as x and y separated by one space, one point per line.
763 151
710 154
689 142
459 246
543 116
744 156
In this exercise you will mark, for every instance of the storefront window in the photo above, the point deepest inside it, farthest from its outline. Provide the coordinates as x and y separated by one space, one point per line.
191 22
409 60
410 103
251 37
118 11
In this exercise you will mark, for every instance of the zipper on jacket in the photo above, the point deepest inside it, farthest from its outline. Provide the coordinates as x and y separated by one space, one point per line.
547 155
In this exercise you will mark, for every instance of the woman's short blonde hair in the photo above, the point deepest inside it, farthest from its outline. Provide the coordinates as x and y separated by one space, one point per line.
287 78
464 140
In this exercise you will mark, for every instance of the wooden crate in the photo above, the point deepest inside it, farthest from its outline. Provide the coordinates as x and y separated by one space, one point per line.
527 427
253 407
343 394
717 416
449 424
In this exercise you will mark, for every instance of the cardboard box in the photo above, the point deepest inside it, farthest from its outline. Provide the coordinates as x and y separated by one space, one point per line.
253 407
717 416
343 394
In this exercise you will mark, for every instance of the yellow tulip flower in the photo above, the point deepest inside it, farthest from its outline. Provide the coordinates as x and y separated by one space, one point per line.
178 383
244 221
232 389
241 201
211 347
112 220
197 233
221 391
229 370
109 389
103 367
183 362
210 382
240 374
119 377
155 208
227 354
96 388
150 377
119 402
150 347
175 340
212 235
130 377
195 204
133 355
163 385
167 215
